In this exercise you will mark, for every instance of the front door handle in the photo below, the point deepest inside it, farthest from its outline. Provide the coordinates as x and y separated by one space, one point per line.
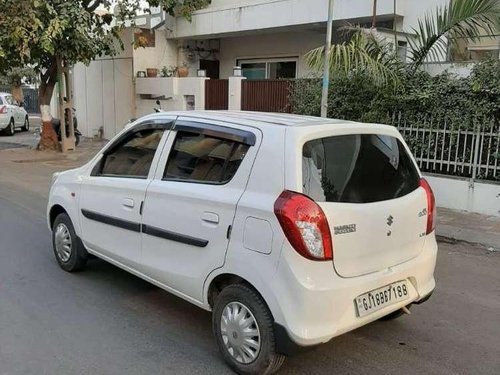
210 217
128 202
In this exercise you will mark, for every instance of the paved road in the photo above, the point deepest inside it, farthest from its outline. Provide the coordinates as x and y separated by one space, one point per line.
105 321
22 138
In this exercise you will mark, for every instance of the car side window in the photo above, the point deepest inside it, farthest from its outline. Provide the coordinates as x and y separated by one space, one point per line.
9 99
132 157
197 157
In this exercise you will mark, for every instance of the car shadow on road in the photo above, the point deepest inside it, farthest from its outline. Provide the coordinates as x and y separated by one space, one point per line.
350 353
171 316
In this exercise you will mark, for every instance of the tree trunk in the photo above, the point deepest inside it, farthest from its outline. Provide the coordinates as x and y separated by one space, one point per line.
49 139
17 93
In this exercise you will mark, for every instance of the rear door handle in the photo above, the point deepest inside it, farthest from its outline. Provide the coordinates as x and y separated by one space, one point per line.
128 202
210 217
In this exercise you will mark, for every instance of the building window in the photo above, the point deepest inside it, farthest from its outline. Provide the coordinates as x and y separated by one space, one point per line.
402 50
278 68
254 70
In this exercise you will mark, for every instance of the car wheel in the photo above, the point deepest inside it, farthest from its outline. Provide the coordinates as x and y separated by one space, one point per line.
243 328
68 248
394 315
26 126
10 130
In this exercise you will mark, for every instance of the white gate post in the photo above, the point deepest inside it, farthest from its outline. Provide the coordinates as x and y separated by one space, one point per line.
234 92
475 161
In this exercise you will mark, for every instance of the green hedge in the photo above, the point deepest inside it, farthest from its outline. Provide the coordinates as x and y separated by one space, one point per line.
418 98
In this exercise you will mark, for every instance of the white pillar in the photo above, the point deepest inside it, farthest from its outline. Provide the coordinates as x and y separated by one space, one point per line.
234 100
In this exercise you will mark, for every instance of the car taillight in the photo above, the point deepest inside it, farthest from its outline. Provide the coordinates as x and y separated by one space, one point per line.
3 109
305 225
431 206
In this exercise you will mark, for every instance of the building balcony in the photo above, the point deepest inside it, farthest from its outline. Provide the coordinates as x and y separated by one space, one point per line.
226 18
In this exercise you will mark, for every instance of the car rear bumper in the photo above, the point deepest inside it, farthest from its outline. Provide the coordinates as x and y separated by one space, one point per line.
315 304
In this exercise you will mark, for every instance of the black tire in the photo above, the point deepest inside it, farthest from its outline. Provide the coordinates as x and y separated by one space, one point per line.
394 315
77 254
77 139
26 126
11 128
267 360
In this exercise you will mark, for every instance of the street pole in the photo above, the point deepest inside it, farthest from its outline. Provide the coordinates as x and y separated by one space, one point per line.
395 30
326 68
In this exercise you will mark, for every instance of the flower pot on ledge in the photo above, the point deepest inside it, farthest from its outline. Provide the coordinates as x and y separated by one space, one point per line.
183 71
152 72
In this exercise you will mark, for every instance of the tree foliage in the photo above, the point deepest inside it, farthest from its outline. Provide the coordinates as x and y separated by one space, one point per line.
363 52
183 8
39 33
466 19
16 76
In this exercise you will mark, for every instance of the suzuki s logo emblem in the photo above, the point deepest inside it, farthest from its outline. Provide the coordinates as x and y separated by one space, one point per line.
390 220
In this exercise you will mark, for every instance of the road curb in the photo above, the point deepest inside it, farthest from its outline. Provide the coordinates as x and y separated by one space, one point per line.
452 234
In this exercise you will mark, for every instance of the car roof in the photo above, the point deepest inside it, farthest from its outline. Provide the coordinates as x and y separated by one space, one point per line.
256 119
5 93
262 120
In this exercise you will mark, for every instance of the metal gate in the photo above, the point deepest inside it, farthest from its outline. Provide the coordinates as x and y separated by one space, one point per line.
216 94
270 95
455 150
31 100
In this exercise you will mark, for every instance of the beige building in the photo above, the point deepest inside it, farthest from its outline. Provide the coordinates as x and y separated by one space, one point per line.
266 39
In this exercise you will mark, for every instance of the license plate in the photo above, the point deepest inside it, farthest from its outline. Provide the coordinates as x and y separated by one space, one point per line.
379 298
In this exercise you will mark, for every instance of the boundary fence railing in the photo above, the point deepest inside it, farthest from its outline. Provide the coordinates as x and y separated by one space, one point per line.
454 150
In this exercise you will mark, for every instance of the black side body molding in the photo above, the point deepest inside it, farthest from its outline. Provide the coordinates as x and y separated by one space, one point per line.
173 236
146 229
124 224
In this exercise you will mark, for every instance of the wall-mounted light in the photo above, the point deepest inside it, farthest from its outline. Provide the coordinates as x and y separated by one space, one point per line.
202 73
236 71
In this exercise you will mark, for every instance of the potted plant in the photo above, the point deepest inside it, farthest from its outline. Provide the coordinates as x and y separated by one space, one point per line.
168 71
183 71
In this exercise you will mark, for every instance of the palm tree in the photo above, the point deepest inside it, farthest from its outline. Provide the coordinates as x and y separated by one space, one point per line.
363 52
467 19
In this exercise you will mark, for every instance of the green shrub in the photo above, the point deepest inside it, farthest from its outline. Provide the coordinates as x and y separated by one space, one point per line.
419 98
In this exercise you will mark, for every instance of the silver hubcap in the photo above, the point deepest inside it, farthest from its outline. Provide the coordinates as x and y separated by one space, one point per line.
62 241
240 332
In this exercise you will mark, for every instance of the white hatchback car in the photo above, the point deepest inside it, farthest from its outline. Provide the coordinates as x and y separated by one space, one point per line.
290 229
12 115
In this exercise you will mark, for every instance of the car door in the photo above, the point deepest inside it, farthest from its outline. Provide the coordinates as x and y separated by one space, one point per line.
113 194
12 109
19 113
191 203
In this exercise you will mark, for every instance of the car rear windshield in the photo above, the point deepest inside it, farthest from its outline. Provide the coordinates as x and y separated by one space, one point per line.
357 168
